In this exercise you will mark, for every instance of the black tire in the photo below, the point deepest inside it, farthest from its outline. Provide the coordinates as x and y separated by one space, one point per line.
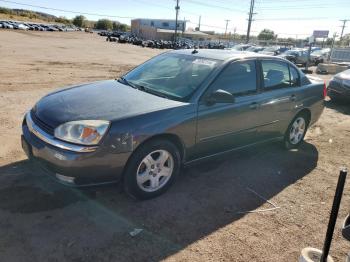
131 186
334 98
287 141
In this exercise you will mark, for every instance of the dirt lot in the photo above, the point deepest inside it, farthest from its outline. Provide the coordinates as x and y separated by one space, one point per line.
202 218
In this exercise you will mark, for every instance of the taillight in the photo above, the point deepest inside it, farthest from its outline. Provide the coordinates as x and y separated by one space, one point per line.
324 89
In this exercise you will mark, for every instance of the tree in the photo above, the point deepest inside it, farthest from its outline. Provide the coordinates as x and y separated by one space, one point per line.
120 27
267 34
104 24
79 21
62 20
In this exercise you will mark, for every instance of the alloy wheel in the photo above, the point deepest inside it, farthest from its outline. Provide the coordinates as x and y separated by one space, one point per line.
155 170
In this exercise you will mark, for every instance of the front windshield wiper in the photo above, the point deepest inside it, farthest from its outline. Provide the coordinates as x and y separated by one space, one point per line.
150 91
126 82
142 88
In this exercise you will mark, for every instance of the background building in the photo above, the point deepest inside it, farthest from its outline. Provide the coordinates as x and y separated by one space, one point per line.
164 29
147 28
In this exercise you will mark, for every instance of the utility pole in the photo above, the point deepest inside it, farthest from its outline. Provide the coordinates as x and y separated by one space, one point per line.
343 26
333 41
234 33
250 19
199 23
226 25
183 27
177 7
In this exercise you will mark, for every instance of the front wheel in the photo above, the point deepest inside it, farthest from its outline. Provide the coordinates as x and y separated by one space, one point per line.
296 131
152 169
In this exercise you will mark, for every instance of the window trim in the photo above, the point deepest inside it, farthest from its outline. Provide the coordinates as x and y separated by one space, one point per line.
290 76
257 82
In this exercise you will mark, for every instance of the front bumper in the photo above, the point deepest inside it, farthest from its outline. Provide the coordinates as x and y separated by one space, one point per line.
338 90
73 168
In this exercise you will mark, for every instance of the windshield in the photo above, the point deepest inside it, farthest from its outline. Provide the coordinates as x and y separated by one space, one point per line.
271 49
240 47
175 76
254 48
318 52
291 52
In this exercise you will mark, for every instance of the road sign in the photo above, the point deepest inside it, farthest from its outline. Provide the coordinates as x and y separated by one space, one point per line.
320 33
311 39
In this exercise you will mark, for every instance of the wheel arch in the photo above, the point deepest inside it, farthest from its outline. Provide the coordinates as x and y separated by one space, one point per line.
175 139
306 112
165 136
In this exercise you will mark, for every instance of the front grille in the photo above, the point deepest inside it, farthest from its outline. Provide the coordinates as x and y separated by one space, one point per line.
48 129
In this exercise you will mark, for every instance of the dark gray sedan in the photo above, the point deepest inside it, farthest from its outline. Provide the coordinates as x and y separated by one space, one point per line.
175 109
339 86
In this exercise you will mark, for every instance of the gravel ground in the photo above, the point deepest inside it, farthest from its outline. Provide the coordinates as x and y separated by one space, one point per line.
204 215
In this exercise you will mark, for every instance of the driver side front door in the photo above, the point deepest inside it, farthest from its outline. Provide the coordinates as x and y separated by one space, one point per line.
225 126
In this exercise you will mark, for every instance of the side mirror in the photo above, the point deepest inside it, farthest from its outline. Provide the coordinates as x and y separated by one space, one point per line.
220 96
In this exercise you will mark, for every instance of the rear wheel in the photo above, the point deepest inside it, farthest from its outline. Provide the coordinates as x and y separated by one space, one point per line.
296 131
152 169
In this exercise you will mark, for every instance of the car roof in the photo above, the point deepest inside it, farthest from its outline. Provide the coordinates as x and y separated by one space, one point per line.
220 54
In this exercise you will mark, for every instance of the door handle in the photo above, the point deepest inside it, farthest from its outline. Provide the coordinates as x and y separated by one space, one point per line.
253 105
293 97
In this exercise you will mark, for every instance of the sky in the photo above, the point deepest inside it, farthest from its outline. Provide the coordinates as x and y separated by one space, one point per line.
287 18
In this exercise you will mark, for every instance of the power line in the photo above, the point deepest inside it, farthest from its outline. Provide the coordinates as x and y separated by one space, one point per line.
163 6
295 18
67 11
214 6
297 7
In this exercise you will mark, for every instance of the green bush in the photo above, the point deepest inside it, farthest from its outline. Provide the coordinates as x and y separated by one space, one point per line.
104 24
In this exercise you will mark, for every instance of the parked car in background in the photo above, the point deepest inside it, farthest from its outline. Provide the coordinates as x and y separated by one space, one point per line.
241 47
296 56
7 25
177 108
320 56
339 86
255 49
273 50
22 27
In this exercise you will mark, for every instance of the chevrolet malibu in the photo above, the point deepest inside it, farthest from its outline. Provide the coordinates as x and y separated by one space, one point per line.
176 109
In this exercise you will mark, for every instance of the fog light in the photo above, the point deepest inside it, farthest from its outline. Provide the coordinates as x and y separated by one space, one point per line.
66 179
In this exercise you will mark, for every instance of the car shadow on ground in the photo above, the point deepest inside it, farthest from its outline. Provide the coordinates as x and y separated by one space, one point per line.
98 221
342 106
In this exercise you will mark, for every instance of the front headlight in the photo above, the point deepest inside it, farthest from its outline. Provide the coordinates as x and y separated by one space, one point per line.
346 82
84 132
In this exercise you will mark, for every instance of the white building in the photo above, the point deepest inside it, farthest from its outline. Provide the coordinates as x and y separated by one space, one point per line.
147 28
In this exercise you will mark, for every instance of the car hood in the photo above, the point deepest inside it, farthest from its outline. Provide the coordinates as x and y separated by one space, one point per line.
104 100
267 52
344 75
286 56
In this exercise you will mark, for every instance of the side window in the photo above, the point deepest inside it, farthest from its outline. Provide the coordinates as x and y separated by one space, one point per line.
294 77
276 75
238 78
